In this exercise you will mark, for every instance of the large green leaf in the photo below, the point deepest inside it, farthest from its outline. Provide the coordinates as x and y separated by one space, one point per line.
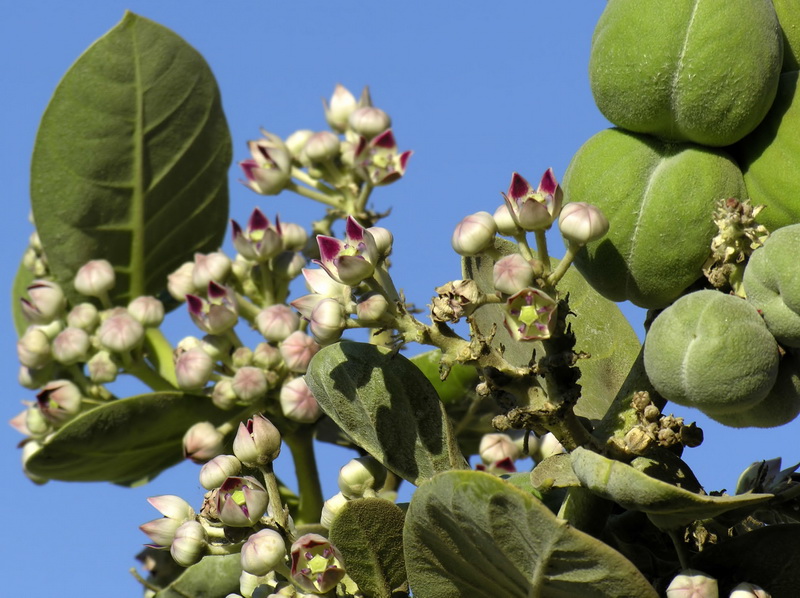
369 534
668 506
212 577
124 441
387 406
469 533
131 159
600 328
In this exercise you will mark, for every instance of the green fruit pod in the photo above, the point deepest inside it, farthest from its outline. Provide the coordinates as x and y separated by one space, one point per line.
686 70
781 406
659 199
713 352
772 284
770 158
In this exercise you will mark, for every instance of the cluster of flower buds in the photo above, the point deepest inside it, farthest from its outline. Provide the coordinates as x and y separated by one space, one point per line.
362 477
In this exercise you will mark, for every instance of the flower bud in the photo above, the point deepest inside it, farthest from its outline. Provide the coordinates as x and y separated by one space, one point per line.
161 531
102 368
259 242
749 590
36 423
288 265
263 552
328 321
361 477
297 402
512 273
33 379
217 346
46 303
316 564
549 446
175 511
241 501
33 349
474 234
217 315
297 351
215 472
84 316
293 236
202 442
210 267
319 282
383 240
506 225
59 401
341 106
70 346
193 369
692 584
222 395
179 283
120 333
148 311
373 307
266 356
95 278
369 121
249 384
189 544
582 222
257 442
332 507
497 447
277 322
172 506
297 141
321 146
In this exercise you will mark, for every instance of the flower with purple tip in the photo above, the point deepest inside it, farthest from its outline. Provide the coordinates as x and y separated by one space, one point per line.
380 159
216 315
530 315
534 209
241 501
269 170
350 261
260 241
316 564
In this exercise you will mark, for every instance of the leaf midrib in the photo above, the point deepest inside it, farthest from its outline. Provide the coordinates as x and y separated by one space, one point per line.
137 208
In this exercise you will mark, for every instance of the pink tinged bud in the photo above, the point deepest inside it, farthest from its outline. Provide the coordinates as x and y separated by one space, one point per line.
95 278
749 590
332 507
241 501
531 209
242 357
383 240
496 447
84 316
380 159
102 368
189 544
216 471
297 351
266 356
172 506
276 322
316 564
297 402
530 315
223 396
297 140
33 349
369 121
216 315
259 241
46 302
176 511
361 477
249 384
306 304
474 234
257 442
693 584
582 223
18 422
59 401
210 267
341 106
269 171
71 345
512 273
193 369
179 283
148 311
202 442
293 236
373 307
160 531
321 146
263 552
120 333
328 321
506 225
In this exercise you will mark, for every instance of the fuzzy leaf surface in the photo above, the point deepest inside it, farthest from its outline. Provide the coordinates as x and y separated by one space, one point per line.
125 441
387 406
19 289
369 534
212 577
469 533
130 161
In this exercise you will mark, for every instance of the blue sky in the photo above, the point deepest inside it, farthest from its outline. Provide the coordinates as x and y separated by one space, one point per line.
477 92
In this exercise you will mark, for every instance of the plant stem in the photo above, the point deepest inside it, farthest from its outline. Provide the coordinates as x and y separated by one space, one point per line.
301 445
679 549
564 264
303 176
149 376
315 195
541 249
279 511
159 351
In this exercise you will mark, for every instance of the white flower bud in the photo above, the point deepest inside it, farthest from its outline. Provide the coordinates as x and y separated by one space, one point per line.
321 146
263 552
369 121
179 283
361 477
297 402
202 442
581 222
102 368
512 273
120 333
693 584
33 349
328 321
332 507
749 590
496 447
84 316
474 233
189 544
341 106
95 278
373 307
297 351
216 471
297 141
266 356
71 346
223 396
214 266
249 384
193 369
383 240
277 322
505 222
149 311
293 236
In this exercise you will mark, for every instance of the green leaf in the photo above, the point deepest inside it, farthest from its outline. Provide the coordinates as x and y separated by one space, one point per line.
469 533
369 534
554 472
131 159
600 328
459 384
387 406
213 577
127 441
668 506
19 289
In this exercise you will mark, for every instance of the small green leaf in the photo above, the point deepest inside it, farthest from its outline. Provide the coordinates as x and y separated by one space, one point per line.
600 328
668 506
131 159
459 384
369 534
213 577
469 533
387 406
125 441
22 281
554 472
